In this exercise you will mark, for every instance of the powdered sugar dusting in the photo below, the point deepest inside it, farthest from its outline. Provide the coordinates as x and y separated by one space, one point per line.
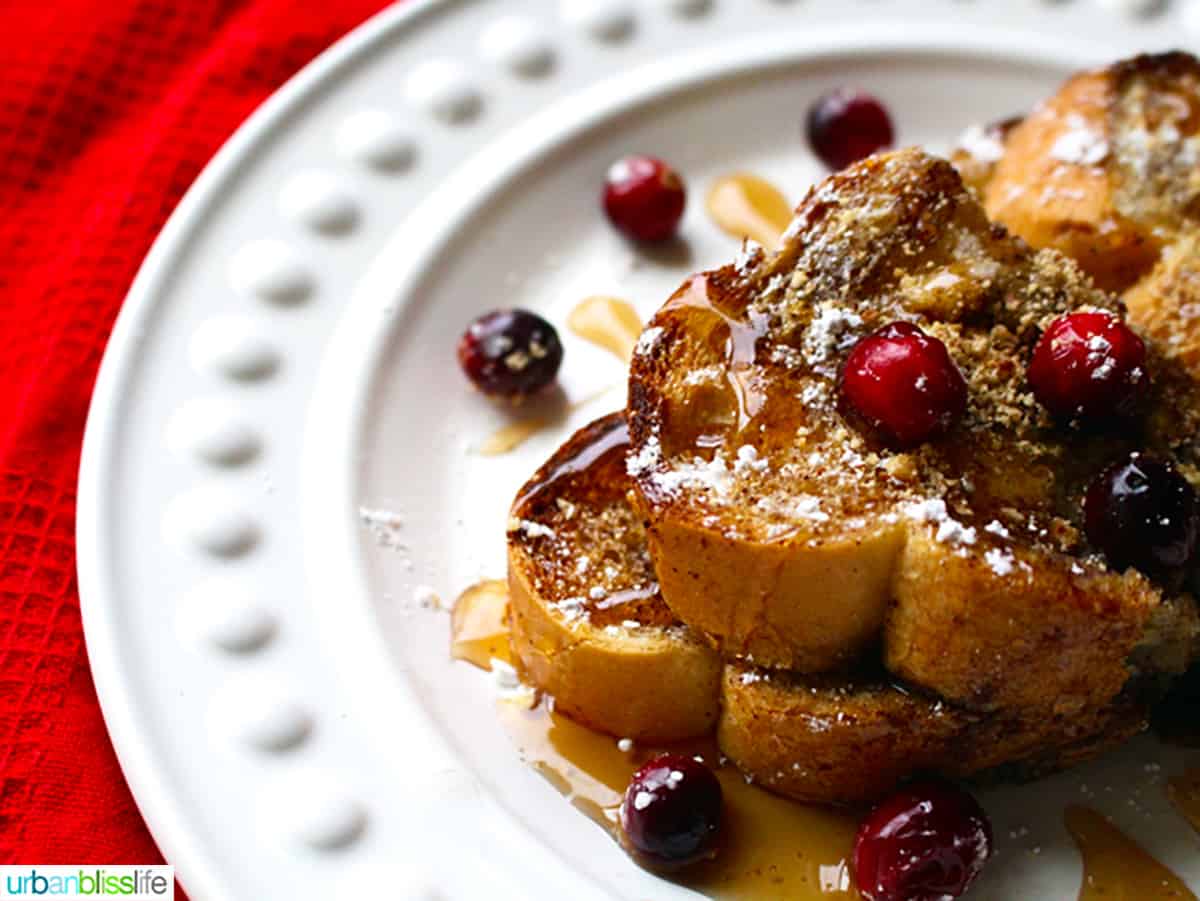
385 525
1001 562
751 252
982 143
1080 145
995 527
530 528
646 460
949 529
748 460
829 332
809 507
647 339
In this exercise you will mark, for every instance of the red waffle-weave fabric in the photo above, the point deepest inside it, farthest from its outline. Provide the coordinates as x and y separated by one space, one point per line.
108 111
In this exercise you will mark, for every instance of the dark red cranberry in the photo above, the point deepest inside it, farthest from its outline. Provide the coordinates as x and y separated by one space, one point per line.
846 125
1141 512
903 382
644 198
510 353
927 842
1089 365
671 813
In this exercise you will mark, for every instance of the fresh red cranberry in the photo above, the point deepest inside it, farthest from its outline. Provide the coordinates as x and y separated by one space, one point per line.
510 353
846 125
671 813
1089 365
1141 512
644 198
927 842
903 382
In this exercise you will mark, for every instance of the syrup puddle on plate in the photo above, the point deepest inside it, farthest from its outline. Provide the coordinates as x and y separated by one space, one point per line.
746 206
608 322
479 625
772 848
511 436
1116 868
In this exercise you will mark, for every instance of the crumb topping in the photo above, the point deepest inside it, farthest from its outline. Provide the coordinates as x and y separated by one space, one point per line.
759 445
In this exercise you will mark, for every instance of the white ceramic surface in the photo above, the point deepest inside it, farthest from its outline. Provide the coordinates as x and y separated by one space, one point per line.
279 462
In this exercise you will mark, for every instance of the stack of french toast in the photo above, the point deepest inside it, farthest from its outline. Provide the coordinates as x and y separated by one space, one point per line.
736 552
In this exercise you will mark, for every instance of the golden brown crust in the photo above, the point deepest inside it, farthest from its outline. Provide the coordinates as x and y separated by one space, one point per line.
847 741
830 740
1077 629
587 623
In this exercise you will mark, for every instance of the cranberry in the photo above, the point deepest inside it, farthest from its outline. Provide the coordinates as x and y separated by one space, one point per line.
510 353
1141 512
671 814
846 125
1089 365
904 383
927 842
644 198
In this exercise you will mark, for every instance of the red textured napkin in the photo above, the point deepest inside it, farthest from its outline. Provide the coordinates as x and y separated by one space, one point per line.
108 111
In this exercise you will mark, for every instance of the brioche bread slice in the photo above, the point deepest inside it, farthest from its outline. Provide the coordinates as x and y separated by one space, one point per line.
848 740
797 540
588 625
1107 169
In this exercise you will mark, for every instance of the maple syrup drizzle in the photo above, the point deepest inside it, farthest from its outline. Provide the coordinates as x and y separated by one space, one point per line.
1184 792
616 437
746 206
773 848
1116 868
741 347
479 625
608 322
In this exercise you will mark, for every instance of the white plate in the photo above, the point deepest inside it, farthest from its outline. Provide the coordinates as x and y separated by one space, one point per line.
284 710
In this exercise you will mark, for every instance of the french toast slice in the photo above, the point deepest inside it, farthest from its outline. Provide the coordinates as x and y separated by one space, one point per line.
852 739
587 623
831 739
1106 170
1130 218
796 539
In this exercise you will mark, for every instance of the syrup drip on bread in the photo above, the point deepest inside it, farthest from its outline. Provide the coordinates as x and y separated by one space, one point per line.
746 206
1115 866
